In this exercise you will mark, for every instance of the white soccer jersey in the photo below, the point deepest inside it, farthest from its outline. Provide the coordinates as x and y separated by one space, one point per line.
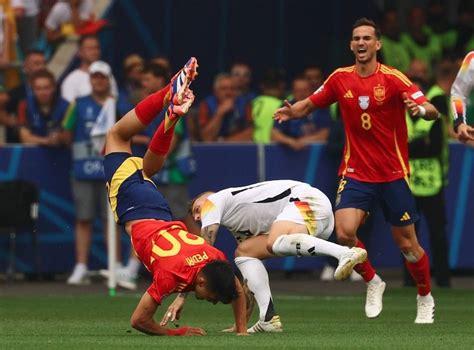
251 210
461 88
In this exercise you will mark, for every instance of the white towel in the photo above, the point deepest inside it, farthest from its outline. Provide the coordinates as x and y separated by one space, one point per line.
103 123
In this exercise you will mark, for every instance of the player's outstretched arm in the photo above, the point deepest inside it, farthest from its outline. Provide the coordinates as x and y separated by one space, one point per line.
240 309
291 111
142 320
426 110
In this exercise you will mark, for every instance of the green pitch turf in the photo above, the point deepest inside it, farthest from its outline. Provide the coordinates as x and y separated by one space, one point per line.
319 322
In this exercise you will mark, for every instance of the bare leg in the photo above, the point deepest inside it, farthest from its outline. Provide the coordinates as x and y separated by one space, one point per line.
83 240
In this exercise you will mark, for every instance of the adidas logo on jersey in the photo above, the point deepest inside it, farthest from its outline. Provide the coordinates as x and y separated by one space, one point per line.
405 217
348 94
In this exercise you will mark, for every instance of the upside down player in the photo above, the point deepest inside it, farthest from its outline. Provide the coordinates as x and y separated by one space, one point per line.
178 260
372 98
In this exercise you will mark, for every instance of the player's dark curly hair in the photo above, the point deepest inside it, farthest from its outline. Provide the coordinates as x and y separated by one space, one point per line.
367 22
220 279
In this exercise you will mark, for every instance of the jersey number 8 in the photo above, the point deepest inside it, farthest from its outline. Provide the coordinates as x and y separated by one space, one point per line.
366 123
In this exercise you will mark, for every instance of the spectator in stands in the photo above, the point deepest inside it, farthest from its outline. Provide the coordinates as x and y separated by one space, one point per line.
153 78
273 91
8 74
65 17
40 115
163 61
34 61
465 28
428 149
419 73
26 12
439 26
78 83
393 52
314 75
418 40
133 68
221 118
88 182
7 121
242 75
297 133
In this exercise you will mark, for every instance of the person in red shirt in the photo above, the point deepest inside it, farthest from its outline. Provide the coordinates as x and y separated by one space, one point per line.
373 98
179 261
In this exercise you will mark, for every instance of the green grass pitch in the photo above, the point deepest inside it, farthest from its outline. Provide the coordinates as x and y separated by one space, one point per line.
319 322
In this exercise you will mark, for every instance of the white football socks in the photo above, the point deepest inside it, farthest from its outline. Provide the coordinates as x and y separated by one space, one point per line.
302 244
256 275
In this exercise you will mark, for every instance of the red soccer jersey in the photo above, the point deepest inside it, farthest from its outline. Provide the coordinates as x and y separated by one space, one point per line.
373 112
173 255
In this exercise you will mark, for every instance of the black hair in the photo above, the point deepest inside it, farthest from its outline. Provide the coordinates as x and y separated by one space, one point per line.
31 52
86 37
273 77
42 73
220 279
157 70
367 22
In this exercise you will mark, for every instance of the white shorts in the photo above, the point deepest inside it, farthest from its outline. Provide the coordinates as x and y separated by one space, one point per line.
310 207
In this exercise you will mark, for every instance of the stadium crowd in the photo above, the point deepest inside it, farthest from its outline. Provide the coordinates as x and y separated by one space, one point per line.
37 108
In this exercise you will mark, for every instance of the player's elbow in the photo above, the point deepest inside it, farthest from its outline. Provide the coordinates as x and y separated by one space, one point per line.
138 322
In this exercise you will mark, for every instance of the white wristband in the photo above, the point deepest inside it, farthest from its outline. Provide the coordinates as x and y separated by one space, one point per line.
422 111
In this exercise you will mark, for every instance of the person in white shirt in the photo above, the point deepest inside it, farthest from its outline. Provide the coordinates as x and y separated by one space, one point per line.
77 83
268 219
460 91
65 16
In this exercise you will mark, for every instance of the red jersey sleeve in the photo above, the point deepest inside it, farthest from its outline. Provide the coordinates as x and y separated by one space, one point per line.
405 85
162 286
325 95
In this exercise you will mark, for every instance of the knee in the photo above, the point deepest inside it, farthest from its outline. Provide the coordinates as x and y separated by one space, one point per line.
411 252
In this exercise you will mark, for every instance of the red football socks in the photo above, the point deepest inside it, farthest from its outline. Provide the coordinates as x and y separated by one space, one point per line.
161 141
149 107
364 269
420 271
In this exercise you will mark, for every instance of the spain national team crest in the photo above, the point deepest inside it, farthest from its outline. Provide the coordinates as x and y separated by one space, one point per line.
364 102
379 93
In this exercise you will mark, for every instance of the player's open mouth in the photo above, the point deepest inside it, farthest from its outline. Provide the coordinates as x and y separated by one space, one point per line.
361 50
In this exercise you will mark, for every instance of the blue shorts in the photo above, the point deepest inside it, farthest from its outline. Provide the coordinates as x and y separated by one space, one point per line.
395 198
131 195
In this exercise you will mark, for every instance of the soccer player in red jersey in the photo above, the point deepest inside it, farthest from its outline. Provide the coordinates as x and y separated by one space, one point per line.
373 98
179 261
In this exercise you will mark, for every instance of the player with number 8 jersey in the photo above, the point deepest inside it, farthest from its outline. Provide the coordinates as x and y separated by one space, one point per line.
373 98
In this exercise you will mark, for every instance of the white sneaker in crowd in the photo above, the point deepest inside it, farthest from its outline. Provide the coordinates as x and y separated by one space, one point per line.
425 309
124 278
272 326
79 276
327 274
355 277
